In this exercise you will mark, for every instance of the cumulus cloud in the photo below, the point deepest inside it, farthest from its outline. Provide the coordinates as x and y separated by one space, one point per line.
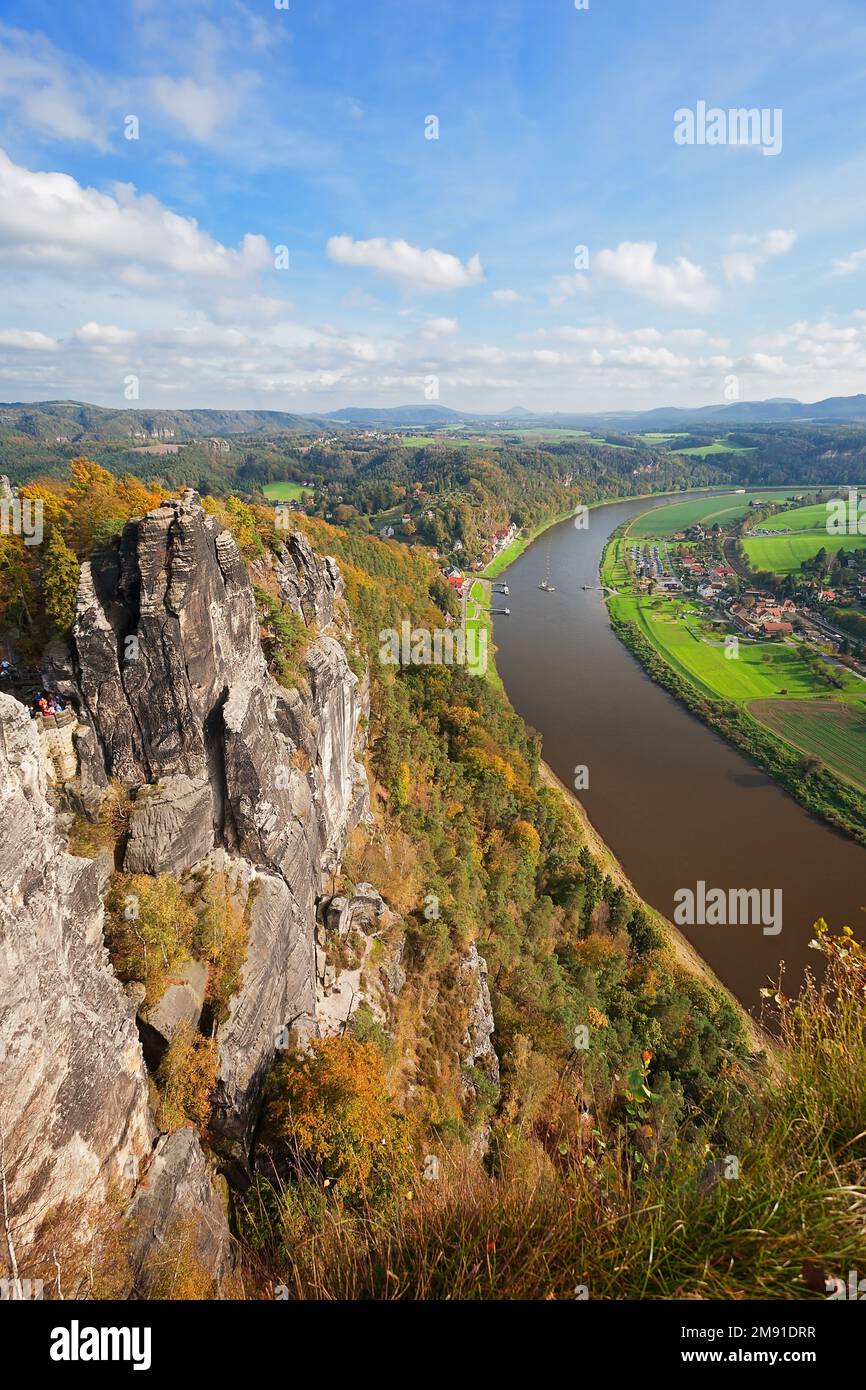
638 356
507 297
850 264
200 107
26 340
633 266
741 265
408 265
51 219
103 335
564 287
440 328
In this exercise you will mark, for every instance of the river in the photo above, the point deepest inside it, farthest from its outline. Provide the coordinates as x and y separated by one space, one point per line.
673 800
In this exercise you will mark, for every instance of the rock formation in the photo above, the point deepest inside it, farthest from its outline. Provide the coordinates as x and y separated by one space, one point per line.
74 1119
231 773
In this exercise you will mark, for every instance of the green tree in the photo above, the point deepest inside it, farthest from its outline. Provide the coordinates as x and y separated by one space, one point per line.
60 581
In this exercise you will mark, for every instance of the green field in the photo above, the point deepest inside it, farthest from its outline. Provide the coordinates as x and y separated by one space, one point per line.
652 437
718 446
286 492
666 521
761 670
833 732
477 617
808 528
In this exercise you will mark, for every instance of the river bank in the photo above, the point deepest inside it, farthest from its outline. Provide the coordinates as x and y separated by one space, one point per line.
672 800
839 803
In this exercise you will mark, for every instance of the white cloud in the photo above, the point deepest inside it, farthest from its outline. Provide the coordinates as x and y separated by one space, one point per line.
49 91
633 265
741 266
50 219
507 297
850 264
103 335
27 341
564 287
637 356
440 328
196 106
411 267
773 366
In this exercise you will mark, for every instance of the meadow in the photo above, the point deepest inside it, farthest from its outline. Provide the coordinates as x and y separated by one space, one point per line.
762 670
724 509
808 534
718 446
829 730
286 492
478 617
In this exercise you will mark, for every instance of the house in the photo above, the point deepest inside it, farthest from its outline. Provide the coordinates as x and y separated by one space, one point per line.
777 629
386 532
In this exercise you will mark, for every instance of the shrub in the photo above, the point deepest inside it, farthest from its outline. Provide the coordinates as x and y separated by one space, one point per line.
149 929
331 1110
186 1076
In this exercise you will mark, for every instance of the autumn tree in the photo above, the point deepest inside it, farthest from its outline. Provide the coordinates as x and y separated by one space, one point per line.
332 1111
60 573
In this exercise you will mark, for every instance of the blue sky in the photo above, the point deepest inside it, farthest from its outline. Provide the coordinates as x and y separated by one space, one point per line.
418 265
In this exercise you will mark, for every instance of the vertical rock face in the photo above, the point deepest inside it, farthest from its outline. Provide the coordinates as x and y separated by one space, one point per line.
74 1119
174 699
163 625
175 690
177 1221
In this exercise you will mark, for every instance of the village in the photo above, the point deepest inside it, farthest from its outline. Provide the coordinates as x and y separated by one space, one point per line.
696 565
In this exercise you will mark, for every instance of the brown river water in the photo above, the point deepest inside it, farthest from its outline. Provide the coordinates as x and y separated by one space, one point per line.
673 800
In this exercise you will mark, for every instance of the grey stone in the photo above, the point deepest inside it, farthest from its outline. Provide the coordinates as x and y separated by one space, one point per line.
182 1001
171 826
277 991
73 1100
176 1210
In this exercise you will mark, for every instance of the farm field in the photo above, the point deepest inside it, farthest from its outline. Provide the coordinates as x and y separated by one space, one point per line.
286 492
808 534
761 671
831 731
718 446
666 521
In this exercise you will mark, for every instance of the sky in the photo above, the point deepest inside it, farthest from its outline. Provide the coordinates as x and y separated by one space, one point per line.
306 204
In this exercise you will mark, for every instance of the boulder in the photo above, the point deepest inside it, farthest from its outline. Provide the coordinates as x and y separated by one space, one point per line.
180 1243
478 1049
309 583
181 1002
164 622
171 826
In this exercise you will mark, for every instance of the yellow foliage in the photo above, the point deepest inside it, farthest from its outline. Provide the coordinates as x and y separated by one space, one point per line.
186 1076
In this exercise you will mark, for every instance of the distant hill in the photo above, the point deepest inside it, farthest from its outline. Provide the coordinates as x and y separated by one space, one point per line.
73 421
397 415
